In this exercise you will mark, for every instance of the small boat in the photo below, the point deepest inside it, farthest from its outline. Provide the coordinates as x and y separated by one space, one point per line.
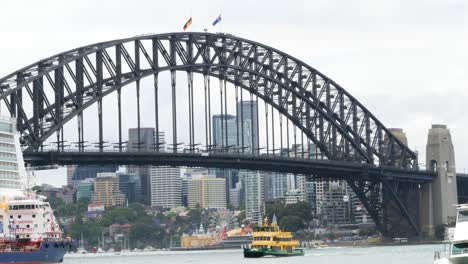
269 240
456 248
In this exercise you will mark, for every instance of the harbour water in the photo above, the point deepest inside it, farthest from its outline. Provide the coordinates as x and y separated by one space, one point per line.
419 254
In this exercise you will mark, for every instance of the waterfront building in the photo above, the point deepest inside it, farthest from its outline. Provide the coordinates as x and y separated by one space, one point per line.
198 240
106 190
11 163
336 207
207 192
360 214
166 187
85 189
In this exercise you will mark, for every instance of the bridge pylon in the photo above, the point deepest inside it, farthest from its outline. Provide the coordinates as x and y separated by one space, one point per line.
439 198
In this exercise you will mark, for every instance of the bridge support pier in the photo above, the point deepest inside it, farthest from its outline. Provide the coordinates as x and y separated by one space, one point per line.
439 198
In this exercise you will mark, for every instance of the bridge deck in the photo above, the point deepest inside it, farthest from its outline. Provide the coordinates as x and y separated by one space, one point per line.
320 168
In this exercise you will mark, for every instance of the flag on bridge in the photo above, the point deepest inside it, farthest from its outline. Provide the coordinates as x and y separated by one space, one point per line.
188 24
217 20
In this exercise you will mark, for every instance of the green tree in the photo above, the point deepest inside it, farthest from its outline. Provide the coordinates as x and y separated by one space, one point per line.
291 223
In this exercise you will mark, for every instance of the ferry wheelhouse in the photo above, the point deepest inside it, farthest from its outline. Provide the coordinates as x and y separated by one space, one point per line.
269 240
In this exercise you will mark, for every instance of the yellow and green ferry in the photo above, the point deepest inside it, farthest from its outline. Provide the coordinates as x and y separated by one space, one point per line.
269 240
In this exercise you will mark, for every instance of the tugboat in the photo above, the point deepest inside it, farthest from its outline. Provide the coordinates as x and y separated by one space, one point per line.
29 232
456 249
269 240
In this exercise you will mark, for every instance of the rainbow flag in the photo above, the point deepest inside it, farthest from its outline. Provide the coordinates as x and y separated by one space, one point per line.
188 24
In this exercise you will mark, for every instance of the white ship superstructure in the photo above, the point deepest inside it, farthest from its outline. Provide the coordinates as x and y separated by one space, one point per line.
13 176
28 217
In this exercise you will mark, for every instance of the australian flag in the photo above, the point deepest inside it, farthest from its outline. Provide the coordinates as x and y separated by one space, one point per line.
217 20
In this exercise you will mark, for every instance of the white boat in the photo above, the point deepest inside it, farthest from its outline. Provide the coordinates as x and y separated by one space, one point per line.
456 249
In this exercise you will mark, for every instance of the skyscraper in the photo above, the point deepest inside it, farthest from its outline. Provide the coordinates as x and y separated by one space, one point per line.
224 132
253 186
145 140
247 113
276 186
225 139
166 187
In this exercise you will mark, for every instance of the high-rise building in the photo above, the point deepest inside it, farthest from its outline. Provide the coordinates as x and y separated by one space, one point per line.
360 214
184 191
106 190
207 192
142 140
320 187
85 189
11 160
253 187
70 171
166 187
301 187
130 185
82 172
247 113
146 139
276 186
311 195
336 207
224 132
292 197
235 195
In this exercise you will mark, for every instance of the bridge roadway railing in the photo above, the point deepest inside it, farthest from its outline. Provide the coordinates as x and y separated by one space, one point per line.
233 160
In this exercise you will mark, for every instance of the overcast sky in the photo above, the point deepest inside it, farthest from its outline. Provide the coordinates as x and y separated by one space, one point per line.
405 60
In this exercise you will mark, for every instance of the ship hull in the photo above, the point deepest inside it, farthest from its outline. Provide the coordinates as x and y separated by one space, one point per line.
51 252
258 253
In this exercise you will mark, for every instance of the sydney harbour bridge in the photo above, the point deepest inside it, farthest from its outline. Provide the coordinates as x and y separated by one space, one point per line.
306 123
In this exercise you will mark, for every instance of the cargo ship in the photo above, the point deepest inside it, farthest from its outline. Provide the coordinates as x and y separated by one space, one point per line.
269 240
29 232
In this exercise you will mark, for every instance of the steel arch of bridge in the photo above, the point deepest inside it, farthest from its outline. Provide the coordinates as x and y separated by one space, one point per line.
340 126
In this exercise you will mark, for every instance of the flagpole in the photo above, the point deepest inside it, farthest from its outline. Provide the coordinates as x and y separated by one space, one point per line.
221 15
